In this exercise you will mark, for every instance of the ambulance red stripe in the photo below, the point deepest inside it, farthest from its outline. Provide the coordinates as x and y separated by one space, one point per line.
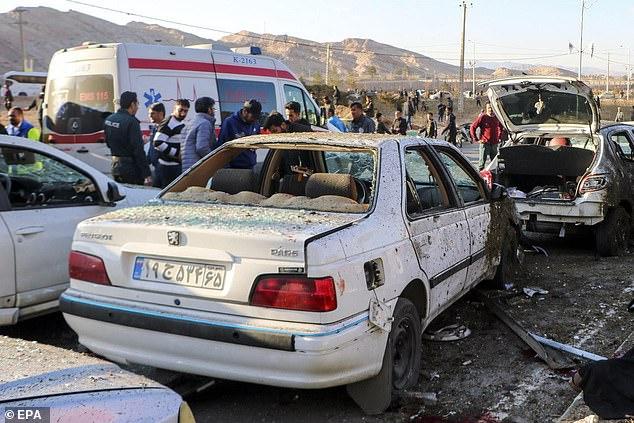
160 64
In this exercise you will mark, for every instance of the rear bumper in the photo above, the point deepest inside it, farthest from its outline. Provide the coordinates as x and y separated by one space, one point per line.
577 213
166 337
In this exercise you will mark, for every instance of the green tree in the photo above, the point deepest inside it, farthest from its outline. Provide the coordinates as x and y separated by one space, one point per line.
371 71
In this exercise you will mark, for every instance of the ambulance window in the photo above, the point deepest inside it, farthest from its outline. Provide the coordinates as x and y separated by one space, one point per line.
232 94
293 93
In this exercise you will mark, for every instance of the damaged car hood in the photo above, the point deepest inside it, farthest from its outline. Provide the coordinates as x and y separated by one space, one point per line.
544 104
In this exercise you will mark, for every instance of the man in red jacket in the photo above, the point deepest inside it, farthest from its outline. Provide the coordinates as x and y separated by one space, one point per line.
490 134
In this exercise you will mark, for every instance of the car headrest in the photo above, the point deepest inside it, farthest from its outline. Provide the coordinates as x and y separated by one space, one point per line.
233 181
331 184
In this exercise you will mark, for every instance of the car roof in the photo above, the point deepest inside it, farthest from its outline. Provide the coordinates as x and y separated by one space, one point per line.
629 125
334 139
320 138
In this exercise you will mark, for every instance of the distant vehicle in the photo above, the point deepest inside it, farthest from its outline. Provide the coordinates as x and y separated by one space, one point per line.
565 171
607 95
440 95
27 84
85 81
325 264
44 193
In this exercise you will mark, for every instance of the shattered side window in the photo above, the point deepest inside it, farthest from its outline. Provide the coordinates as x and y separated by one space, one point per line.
359 165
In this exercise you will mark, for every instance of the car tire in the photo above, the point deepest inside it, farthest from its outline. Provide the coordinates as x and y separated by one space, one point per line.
401 362
508 260
612 236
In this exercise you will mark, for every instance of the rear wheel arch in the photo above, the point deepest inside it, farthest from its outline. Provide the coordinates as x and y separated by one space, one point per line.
416 292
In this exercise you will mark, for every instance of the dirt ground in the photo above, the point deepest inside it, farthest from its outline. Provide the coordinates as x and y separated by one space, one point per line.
491 376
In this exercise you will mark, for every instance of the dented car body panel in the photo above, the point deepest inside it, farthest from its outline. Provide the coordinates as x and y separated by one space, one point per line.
419 225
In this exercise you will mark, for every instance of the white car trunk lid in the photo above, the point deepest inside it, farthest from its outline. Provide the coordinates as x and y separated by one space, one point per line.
232 244
544 105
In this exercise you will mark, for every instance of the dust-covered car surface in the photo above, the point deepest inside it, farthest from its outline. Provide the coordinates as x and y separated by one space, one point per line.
79 388
563 171
44 193
319 268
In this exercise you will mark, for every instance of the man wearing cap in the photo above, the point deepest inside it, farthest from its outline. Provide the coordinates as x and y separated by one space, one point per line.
123 136
242 123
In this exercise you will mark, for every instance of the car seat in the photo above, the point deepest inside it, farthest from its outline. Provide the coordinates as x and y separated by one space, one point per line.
339 184
233 181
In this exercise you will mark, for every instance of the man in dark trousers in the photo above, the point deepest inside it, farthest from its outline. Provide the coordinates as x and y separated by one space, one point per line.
242 123
430 130
450 127
123 137
156 115
169 137
399 126
490 134
8 96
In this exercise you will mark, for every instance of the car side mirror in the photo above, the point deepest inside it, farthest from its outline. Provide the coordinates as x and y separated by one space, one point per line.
113 193
498 192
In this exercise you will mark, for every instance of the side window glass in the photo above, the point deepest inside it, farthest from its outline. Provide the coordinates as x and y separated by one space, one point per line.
423 186
293 93
469 189
35 180
232 94
313 113
623 144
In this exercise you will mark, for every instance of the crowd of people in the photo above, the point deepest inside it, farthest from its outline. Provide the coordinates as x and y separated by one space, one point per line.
173 146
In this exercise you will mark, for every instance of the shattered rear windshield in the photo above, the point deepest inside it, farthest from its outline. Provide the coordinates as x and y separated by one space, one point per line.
550 107
319 178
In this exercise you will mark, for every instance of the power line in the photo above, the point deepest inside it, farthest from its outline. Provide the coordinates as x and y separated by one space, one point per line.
303 44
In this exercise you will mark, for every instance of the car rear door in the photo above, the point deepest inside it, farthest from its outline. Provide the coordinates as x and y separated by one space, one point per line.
437 226
7 263
47 199
474 200
624 144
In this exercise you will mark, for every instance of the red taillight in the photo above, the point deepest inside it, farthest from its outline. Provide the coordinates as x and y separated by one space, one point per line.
295 293
487 175
85 267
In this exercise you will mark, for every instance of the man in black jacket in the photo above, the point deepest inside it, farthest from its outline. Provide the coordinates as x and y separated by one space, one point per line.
294 113
276 124
399 126
123 137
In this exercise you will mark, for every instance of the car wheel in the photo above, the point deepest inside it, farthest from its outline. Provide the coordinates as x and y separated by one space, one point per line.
612 236
508 260
401 362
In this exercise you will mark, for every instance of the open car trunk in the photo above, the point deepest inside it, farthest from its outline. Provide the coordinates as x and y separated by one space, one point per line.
543 172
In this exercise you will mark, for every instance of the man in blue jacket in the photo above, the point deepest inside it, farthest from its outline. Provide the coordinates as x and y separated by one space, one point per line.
242 123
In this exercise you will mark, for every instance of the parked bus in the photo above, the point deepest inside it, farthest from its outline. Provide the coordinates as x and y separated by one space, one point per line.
27 84
84 83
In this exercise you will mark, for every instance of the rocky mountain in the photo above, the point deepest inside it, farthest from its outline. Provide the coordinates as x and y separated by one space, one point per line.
362 58
48 30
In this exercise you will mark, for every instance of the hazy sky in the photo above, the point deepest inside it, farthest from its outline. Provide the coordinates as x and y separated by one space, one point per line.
504 30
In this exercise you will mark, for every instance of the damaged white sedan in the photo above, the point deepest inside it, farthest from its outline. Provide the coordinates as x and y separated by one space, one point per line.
320 267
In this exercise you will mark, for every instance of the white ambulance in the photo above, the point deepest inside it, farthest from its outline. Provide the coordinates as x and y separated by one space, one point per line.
85 82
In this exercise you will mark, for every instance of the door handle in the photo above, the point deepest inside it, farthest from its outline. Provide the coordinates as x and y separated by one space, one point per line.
30 230
83 150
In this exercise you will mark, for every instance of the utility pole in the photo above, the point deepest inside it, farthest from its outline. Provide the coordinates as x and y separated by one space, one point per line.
328 64
583 6
607 77
464 24
629 73
473 65
21 23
